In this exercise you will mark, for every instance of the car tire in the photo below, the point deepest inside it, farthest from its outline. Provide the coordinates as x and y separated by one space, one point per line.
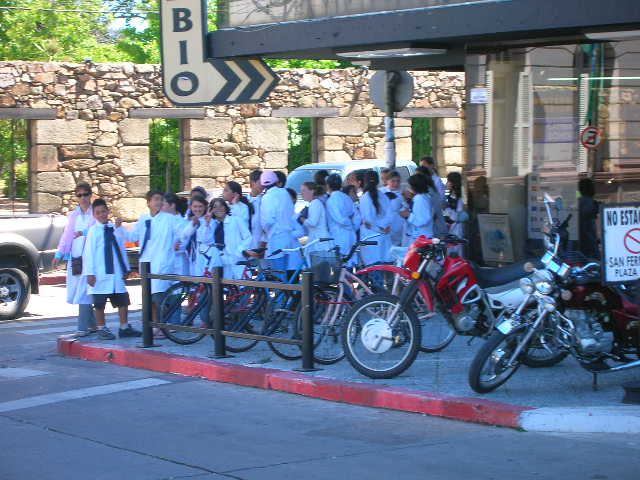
15 291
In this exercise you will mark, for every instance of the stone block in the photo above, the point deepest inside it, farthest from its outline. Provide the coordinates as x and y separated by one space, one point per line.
330 143
453 156
79 164
216 128
105 152
450 125
108 169
129 209
276 160
253 161
44 158
60 131
75 151
268 133
403 122
352 126
46 203
207 183
55 182
402 132
210 166
134 160
107 126
403 149
138 186
7 101
334 157
107 140
134 131
197 148
450 140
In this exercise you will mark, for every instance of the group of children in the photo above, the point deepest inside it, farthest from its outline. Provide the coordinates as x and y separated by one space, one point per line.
191 237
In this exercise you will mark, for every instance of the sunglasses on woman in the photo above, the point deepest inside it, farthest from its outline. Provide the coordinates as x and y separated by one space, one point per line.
80 195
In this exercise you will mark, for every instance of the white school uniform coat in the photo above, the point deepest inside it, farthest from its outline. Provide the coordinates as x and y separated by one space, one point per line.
77 284
257 235
180 260
420 222
203 245
240 210
275 218
316 226
378 221
294 260
340 212
237 239
93 261
397 222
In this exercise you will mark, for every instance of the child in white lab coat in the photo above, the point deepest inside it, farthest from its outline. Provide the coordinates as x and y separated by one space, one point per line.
105 267
231 240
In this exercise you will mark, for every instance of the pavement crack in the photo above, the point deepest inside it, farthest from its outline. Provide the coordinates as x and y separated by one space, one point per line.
123 449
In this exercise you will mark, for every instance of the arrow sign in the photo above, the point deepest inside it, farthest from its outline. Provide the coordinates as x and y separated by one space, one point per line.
190 77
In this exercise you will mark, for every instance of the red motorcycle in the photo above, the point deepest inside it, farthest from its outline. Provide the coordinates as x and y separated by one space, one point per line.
441 295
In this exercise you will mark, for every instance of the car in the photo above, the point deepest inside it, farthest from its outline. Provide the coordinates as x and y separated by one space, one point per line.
305 173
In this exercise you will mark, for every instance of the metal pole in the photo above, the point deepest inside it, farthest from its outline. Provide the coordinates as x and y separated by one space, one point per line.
307 323
392 80
216 312
147 331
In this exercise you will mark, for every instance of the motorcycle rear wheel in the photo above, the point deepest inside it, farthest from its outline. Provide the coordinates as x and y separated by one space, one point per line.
489 367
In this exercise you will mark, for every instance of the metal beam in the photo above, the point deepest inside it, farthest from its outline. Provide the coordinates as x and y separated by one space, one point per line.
428 113
293 112
438 27
29 113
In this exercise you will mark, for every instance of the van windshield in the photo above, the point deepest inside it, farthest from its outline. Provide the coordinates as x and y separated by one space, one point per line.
298 177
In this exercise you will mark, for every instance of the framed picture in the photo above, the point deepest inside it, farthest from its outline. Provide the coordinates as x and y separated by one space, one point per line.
495 238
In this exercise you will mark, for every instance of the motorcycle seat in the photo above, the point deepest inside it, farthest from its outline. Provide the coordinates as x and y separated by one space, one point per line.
492 277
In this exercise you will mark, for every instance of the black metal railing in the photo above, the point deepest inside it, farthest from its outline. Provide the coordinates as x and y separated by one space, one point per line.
216 312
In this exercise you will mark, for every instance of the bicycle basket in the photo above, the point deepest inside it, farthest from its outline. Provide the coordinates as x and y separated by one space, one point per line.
325 267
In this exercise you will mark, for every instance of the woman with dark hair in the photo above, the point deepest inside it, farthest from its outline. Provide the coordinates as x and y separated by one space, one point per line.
376 219
352 192
356 178
71 248
455 213
231 239
588 209
340 211
420 217
177 206
240 206
197 236
316 221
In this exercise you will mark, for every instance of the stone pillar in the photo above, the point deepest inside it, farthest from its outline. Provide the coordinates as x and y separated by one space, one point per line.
450 145
207 146
50 183
341 139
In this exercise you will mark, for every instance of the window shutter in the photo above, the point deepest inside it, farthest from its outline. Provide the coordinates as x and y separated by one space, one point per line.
523 127
488 124
582 155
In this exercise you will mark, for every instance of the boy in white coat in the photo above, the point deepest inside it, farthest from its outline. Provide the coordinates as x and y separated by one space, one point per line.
104 264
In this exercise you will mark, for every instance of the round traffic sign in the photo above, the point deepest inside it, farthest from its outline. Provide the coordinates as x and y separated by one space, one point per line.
592 137
632 241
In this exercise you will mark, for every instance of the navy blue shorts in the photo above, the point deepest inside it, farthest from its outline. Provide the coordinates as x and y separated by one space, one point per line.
117 300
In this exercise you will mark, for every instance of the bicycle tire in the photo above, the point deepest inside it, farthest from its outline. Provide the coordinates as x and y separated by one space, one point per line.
182 296
283 324
365 340
244 321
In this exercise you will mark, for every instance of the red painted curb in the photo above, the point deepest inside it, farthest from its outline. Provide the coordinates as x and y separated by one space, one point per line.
53 279
448 406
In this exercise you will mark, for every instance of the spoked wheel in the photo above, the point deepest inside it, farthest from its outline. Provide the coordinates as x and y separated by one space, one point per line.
281 322
185 304
242 305
328 317
377 345
490 367
15 291
537 356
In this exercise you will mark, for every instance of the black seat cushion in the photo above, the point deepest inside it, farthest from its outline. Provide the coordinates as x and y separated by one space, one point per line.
492 277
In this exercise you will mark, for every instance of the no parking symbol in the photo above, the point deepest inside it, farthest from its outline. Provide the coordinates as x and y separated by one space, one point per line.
632 241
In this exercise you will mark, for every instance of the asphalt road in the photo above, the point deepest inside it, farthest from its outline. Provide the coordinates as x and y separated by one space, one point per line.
67 418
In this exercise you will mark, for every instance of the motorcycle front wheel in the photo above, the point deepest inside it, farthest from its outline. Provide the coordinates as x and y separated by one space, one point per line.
490 367
376 346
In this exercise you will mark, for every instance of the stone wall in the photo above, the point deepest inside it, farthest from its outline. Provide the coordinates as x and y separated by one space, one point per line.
95 139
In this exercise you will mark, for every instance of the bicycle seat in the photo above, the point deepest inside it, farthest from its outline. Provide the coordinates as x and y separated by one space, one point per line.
492 277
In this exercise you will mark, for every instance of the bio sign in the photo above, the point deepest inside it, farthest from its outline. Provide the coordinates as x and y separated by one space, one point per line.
190 76
621 242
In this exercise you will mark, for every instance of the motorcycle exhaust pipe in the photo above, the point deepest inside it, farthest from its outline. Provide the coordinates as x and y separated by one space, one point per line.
619 368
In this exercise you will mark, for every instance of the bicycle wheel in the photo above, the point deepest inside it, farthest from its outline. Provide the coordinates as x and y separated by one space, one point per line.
184 304
244 318
374 346
490 367
327 343
281 321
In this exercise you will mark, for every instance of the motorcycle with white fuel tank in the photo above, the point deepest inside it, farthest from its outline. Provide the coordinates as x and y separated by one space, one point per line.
565 309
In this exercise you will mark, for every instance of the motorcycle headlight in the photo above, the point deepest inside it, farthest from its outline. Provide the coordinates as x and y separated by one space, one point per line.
543 280
526 285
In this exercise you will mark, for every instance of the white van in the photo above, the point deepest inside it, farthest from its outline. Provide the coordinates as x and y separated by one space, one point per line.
305 173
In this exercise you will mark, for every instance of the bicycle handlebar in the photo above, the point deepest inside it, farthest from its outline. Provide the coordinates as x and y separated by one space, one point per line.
301 247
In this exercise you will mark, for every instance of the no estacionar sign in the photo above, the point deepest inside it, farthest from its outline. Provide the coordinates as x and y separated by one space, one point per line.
621 242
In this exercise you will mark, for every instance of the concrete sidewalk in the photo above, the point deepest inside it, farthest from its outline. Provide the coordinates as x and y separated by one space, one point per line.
559 398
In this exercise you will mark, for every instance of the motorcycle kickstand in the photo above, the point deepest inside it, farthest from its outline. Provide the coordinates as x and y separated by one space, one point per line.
594 384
